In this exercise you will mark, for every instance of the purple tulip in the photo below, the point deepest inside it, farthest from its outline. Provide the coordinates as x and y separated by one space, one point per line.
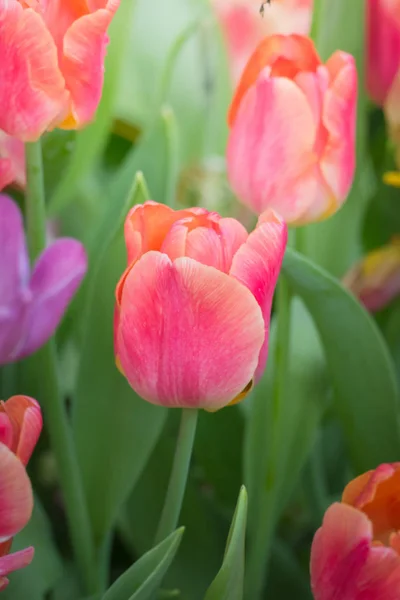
33 303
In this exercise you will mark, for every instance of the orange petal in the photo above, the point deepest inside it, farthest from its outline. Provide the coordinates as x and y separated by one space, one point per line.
16 499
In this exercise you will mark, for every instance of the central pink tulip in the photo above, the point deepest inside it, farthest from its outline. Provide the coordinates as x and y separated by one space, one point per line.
52 63
292 141
193 307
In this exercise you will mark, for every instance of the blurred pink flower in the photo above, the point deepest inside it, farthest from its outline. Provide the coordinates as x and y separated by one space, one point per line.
20 427
193 307
355 555
12 161
375 280
52 63
292 141
383 47
32 304
243 27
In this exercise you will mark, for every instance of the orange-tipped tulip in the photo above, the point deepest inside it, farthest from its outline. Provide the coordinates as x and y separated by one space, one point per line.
292 141
20 427
193 307
356 553
52 63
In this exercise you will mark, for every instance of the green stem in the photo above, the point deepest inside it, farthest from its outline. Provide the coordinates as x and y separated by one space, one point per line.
55 413
179 474
261 542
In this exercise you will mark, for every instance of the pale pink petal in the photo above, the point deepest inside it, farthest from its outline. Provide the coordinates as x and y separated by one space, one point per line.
25 415
16 500
257 264
82 63
14 562
338 160
188 335
32 91
12 161
345 565
271 146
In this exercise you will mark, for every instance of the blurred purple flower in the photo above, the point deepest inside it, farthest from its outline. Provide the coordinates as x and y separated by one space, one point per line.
32 303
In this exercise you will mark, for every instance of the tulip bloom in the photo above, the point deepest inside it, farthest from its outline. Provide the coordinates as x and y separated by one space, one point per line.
32 304
292 141
12 161
356 553
193 307
375 280
52 63
383 47
243 28
20 427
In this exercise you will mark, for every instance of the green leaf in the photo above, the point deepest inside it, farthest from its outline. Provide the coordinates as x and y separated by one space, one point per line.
90 142
280 437
143 579
361 370
228 584
200 553
36 580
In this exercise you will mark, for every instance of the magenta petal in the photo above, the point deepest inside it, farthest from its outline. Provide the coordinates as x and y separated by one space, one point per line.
55 279
15 561
14 265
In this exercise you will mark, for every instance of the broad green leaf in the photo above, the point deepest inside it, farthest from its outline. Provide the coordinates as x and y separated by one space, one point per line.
280 437
361 370
143 579
90 142
36 580
199 556
115 431
229 582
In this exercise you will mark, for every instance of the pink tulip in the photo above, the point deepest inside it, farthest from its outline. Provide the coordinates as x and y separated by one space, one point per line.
292 141
20 425
52 63
375 280
356 553
193 306
12 161
383 47
243 27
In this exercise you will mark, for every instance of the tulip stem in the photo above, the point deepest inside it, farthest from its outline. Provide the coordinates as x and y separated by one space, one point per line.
179 474
55 413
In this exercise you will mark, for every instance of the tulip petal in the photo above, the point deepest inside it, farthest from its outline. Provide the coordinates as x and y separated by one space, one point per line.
257 264
14 266
16 500
188 335
274 132
55 279
15 561
26 418
12 161
32 91
84 50
345 565
338 116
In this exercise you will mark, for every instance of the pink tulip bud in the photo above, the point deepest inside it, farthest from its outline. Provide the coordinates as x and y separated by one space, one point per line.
193 306
292 141
52 63
20 425
356 553
375 280
383 47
